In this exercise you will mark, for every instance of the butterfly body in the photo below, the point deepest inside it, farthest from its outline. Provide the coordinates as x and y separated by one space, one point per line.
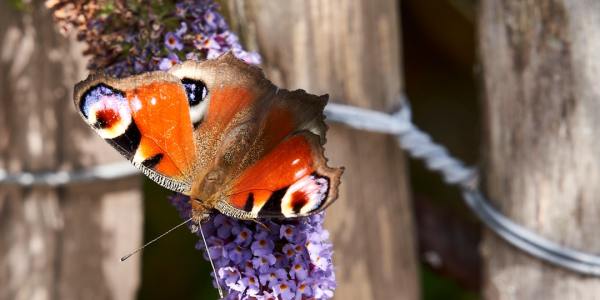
219 132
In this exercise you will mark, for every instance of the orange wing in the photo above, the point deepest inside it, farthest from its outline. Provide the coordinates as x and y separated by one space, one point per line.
146 118
292 180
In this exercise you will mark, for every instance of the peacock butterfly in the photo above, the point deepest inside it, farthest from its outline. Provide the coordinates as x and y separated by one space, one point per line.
220 132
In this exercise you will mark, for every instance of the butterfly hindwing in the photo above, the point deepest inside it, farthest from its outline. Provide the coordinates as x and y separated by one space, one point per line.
292 180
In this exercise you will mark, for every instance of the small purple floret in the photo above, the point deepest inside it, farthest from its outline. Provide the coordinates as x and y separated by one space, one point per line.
172 41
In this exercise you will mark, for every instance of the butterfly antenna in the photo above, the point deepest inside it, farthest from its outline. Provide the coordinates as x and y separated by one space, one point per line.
154 240
211 262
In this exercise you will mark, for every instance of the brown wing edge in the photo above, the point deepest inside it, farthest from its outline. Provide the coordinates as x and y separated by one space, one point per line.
223 70
307 110
334 174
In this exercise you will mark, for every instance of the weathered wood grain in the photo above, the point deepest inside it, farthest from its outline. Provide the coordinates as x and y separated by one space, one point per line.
541 68
62 243
350 50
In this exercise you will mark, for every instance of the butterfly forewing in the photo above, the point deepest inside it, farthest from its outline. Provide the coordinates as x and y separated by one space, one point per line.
147 119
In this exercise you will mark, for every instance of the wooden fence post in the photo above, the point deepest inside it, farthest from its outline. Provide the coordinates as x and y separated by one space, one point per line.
541 69
350 50
57 243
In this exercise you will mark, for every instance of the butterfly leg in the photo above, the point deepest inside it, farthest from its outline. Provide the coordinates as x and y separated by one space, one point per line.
261 224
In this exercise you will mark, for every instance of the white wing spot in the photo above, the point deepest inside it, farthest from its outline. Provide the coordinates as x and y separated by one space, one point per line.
299 174
136 104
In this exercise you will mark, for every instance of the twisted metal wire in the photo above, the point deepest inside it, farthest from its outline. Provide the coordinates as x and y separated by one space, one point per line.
110 171
417 144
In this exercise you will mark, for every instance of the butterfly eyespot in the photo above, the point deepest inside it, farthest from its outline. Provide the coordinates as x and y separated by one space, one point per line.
195 89
306 195
106 110
197 94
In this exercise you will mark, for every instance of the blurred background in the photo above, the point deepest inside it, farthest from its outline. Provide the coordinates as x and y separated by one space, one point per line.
439 66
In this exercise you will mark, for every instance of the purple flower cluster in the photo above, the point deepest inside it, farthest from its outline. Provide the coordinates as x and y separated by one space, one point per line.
283 259
289 259
131 37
